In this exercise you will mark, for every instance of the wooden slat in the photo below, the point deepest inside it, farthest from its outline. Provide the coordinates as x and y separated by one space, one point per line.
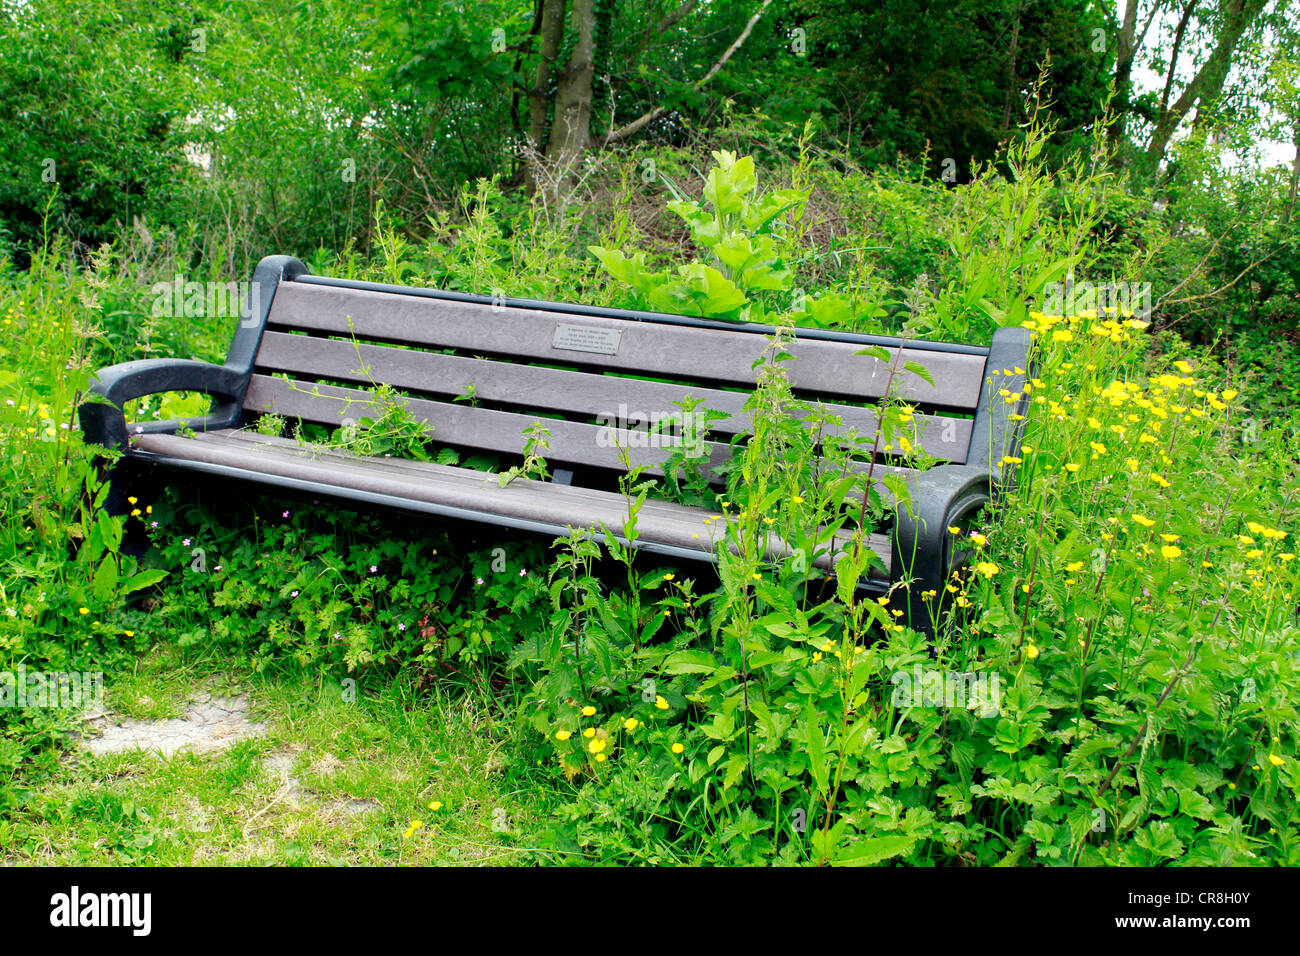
528 386
828 369
574 443
665 523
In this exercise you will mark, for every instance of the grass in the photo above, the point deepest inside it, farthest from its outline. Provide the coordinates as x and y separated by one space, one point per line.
331 782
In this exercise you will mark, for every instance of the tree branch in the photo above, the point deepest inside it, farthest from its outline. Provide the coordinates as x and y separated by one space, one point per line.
645 119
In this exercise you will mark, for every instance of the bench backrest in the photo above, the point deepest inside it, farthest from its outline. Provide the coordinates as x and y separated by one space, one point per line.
587 374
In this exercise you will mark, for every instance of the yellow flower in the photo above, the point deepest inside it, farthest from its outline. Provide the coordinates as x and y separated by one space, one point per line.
133 499
563 734
589 711
600 758
589 732
797 499
670 576
677 748
1031 651
1074 567
1143 520
435 806
596 746
135 512
129 633
1170 551
661 702
987 568
84 610
1275 760
1072 467
979 540
1171 538
631 723
953 529
410 831
1228 394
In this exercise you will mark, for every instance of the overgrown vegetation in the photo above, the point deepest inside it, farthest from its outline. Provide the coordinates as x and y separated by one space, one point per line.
1112 678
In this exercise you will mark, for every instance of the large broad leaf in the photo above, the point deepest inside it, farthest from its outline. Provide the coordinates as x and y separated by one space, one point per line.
874 850
690 662
143 579
816 750
105 581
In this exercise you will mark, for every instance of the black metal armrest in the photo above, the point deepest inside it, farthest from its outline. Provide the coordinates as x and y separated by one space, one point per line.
104 423
923 547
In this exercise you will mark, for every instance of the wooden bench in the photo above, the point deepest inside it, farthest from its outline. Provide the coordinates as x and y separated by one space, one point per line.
572 367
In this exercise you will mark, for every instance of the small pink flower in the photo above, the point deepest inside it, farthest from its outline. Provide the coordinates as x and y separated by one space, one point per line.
294 594
284 515
373 568
186 542
478 580
401 627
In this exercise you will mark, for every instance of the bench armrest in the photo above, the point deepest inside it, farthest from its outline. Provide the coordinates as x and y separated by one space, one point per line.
104 423
923 547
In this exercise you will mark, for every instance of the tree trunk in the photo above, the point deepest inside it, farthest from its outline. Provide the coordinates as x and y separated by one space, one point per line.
552 31
1125 51
1012 93
571 124
1295 175
1208 83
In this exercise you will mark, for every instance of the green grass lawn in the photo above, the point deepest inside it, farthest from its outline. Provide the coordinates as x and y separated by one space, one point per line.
332 781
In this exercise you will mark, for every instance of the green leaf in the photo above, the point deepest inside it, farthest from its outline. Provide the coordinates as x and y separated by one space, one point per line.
690 662
874 850
920 371
143 579
816 750
104 585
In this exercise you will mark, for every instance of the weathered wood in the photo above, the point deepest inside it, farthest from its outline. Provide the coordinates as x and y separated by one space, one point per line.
572 443
831 370
604 397
659 522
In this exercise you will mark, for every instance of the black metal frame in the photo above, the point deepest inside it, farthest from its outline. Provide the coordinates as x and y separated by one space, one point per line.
923 549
